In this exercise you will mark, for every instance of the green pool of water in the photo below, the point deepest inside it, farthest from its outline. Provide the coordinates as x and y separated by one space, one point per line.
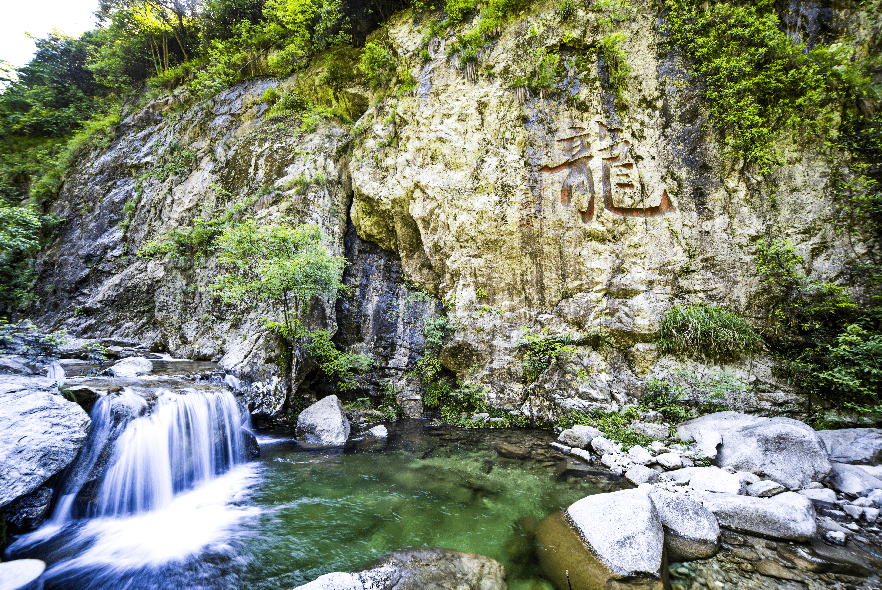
429 487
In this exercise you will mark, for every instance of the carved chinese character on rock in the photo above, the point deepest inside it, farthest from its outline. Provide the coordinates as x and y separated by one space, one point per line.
589 154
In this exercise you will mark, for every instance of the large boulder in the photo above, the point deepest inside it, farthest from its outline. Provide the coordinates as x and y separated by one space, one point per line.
419 569
785 516
579 436
323 424
42 434
602 538
785 450
858 446
132 367
691 530
852 480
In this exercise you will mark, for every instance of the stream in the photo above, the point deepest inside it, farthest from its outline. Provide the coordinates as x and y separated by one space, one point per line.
179 505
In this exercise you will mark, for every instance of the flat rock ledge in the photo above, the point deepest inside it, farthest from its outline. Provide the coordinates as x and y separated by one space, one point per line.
419 569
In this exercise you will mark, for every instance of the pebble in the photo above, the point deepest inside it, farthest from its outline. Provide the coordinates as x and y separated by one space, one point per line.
836 537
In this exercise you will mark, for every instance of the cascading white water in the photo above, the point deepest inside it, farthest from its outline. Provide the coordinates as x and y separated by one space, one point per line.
187 439
152 487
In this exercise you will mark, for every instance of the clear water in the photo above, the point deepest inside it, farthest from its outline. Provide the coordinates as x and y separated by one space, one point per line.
294 515
323 512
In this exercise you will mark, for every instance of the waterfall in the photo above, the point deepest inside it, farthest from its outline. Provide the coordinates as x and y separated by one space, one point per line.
186 440
156 484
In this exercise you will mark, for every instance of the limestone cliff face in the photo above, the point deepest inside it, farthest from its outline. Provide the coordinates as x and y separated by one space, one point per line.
563 209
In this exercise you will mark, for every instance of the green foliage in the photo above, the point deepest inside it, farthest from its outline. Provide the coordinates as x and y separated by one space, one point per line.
826 344
436 330
20 229
494 15
685 395
389 407
23 338
708 331
802 306
615 64
566 10
195 241
343 366
377 64
614 425
96 132
276 264
757 80
539 349
612 12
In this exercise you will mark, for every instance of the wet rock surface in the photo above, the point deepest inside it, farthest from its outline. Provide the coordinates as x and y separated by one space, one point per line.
42 434
419 569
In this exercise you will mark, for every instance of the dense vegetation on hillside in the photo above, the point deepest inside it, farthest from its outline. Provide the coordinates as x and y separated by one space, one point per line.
761 84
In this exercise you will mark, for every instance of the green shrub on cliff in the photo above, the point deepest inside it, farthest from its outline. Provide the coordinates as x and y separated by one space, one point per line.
701 330
286 268
826 343
758 81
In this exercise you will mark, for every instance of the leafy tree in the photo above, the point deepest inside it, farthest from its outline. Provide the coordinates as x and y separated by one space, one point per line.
285 267
19 239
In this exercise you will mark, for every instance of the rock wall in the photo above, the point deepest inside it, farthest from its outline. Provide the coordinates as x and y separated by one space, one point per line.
564 210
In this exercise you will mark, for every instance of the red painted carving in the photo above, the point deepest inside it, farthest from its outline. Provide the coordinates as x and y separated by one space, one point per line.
583 147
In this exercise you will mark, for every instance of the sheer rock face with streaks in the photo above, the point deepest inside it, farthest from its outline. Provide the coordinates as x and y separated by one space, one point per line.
521 211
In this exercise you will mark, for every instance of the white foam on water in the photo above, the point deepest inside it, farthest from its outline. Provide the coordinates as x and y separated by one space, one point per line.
194 522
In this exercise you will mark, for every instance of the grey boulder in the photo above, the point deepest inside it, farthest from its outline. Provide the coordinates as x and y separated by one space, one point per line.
709 479
785 450
765 489
579 436
323 424
132 367
852 480
623 529
42 434
604 446
785 516
858 446
603 541
13 366
419 569
691 530
819 495
639 474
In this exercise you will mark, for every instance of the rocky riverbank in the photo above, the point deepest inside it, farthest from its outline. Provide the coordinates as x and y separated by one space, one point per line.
764 489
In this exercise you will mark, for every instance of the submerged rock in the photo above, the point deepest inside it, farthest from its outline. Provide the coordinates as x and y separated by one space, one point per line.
323 424
419 569
601 539
786 450
42 434
132 367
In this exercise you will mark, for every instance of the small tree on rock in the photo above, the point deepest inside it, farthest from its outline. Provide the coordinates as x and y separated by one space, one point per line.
285 267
